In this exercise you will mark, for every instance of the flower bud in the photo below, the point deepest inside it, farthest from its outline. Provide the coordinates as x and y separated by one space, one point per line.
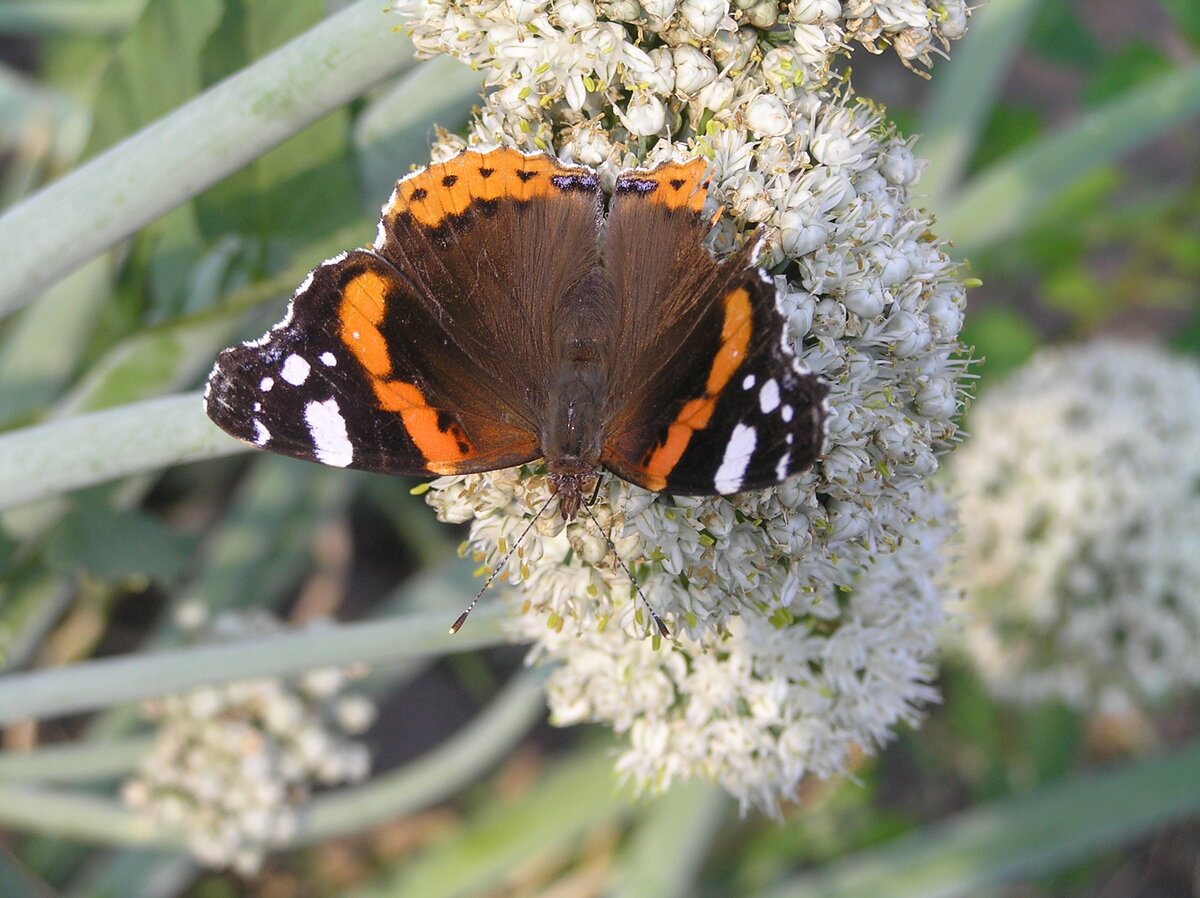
693 70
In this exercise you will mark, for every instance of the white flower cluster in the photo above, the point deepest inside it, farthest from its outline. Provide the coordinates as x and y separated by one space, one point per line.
801 616
650 60
232 764
760 707
1081 523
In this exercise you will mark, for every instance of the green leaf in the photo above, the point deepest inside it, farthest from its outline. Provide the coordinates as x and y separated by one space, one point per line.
437 774
578 794
1052 735
999 202
1001 339
193 146
1044 830
1186 16
150 363
16 881
393 132
156 68
53 17
263 545
1062 39
303 188
1134 63
42 348
965 90
686 820
116 544
1008 128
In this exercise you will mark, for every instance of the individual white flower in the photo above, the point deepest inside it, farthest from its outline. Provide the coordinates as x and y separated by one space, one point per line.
694 70
574 13
230 764
703 17
645 114
809 11
766 116
1081 511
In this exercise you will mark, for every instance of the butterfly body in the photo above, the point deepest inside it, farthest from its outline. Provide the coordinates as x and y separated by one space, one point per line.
505 314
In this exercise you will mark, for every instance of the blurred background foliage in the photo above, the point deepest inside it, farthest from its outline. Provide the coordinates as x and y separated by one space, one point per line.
1091 107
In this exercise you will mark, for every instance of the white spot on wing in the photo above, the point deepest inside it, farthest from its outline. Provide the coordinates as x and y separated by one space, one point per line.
295 370
328 359
262 436
738 451
327 427
749 382
787 412
768 396
781 469
266 383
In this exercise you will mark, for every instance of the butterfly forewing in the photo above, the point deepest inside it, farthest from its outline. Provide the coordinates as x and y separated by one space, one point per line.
353 378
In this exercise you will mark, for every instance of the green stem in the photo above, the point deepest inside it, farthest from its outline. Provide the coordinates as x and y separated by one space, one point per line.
195 146
964 91
109 681
998 202
80 816
73 762
449 767
1058 825
688 819
43 461
75 17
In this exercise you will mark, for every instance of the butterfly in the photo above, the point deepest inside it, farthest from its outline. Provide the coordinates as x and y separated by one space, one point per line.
507 311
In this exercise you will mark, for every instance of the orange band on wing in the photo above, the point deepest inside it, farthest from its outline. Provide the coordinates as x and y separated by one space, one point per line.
361 312
449 188
442 449
681 184
696 413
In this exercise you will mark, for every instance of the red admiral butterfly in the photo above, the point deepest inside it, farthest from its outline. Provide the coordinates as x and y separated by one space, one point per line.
501 316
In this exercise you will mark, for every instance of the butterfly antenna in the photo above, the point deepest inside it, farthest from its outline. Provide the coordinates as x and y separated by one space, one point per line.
462 618
658 621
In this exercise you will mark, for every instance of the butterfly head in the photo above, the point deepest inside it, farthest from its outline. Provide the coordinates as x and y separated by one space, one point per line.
570 479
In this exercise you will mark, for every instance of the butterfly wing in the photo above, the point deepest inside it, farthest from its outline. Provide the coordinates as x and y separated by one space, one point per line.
708 398
500 238
425 354
356 376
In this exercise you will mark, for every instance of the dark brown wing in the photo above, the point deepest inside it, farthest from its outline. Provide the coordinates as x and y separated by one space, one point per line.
707 398
429 353
497 240
357 375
